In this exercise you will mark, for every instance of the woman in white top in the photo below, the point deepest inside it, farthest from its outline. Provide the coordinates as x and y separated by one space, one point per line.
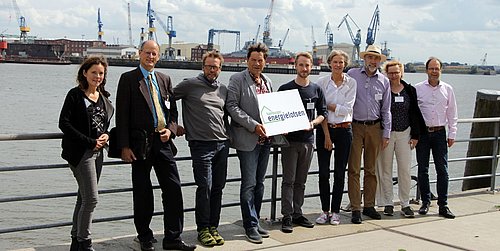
340 93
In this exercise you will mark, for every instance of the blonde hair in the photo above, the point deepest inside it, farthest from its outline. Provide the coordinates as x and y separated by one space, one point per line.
341 53
303 54
393 63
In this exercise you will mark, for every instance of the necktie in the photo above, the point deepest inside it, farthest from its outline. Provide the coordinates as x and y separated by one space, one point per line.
156 102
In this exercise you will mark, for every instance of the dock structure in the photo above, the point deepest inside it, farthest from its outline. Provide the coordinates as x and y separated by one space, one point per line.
476 227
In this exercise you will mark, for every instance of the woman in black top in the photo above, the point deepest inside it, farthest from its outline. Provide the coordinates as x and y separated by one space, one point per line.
405 133
84 121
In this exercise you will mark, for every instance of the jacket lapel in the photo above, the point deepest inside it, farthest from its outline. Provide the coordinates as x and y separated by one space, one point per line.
143 87
251 83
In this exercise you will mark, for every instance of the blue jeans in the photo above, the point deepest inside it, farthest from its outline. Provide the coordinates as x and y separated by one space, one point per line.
342 139
210 171
437 142
253 167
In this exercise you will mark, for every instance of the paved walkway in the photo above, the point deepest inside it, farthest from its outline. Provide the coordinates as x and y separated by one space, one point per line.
476 227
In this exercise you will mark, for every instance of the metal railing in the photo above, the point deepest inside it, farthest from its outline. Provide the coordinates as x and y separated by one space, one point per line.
273 176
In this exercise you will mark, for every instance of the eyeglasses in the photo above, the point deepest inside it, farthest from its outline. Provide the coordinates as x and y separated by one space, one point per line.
393 73
212 67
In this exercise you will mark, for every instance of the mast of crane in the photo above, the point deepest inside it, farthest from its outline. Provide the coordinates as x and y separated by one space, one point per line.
266 36
282 42
256 39
356 40
151 24
314 48
329 37
99 25
130 42
23 27
373 27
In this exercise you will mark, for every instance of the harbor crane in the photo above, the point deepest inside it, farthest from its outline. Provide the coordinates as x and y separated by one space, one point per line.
169 30
266 36
23 27
356 40
99 25
373 27
211 34
281 42
151 23
329 37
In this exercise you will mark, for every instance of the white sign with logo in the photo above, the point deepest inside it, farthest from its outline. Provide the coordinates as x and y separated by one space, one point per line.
282 112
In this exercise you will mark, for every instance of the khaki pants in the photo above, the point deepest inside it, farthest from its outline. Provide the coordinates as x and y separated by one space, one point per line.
366 140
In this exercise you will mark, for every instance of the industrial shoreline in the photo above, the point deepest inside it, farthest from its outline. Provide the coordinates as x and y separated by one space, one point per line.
236 67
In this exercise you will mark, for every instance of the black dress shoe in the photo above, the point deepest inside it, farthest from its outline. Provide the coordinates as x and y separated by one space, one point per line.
356 217
372 213
303 222
445 212
147 245
177 245
424 209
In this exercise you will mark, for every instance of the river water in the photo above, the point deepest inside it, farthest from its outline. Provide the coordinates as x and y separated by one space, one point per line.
31 98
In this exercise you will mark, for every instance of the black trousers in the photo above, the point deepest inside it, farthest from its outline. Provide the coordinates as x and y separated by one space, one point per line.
163 162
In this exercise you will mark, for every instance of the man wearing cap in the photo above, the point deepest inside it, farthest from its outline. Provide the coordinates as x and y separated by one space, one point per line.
436 100
371 129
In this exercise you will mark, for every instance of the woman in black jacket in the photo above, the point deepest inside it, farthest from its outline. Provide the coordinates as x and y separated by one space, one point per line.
84 121
405 132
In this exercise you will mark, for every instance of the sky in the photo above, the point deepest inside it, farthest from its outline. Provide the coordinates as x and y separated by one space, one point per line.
453 30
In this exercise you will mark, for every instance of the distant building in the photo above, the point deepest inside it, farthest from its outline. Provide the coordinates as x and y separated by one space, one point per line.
198 51
113 51
323 52
183 51
73 47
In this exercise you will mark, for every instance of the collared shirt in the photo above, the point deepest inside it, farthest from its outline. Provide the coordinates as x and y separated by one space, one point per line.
343 96
146 73
373 98
260 87
438 105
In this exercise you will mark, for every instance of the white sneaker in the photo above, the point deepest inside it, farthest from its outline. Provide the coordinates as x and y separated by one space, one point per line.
335 219
323 218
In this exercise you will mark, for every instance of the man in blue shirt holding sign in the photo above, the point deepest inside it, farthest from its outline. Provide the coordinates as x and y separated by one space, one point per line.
296 158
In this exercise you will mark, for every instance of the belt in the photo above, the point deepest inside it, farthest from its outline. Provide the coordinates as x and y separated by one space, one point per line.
435 128
367 122
340 125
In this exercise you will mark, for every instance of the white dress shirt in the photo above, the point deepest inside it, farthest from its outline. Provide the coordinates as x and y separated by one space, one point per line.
343 96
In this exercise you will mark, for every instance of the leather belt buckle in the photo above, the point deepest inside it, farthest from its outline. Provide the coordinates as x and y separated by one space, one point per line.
434 128
340 125
366 122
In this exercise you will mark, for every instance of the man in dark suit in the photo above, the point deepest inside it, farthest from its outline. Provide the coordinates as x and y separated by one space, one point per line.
146 116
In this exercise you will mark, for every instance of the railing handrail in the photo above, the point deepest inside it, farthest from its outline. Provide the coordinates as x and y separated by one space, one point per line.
44 136
274 176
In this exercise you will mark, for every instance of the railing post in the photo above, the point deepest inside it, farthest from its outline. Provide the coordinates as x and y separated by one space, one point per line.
274 184
494 161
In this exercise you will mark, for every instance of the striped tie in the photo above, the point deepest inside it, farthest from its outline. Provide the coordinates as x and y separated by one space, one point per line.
156 102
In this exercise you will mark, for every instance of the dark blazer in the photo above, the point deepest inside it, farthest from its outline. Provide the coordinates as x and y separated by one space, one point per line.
75 123
134 108
416 119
